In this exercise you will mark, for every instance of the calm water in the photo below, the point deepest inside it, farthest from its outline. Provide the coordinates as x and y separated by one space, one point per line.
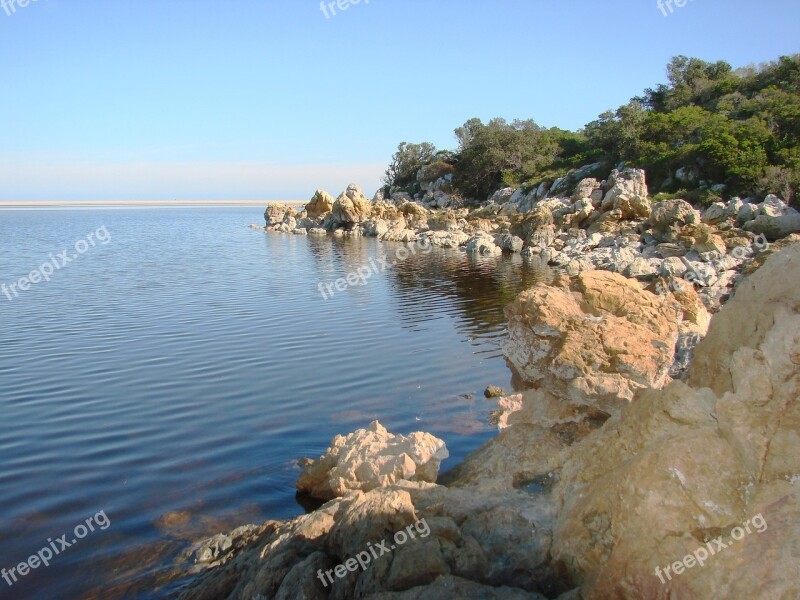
172 377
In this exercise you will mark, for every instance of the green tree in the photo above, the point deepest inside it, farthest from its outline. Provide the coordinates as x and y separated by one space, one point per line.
408 159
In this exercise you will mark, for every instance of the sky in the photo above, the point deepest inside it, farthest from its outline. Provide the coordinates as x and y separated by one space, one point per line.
273 99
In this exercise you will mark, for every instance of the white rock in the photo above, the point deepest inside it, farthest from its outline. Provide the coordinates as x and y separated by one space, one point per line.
371 458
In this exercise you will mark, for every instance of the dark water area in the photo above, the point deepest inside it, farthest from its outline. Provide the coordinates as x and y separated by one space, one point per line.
171 378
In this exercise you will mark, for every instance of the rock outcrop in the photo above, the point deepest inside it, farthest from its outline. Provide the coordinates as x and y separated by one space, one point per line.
597 335
577 223
320 205
371 458
351 207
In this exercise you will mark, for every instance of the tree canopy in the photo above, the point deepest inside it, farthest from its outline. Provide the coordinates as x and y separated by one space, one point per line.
709 122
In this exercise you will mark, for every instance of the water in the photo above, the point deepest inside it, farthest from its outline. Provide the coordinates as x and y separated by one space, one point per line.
172 377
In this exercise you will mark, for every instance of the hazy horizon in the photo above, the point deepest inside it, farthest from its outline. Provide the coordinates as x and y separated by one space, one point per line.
211 101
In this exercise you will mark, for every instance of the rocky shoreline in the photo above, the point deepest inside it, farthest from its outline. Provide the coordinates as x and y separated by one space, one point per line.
648 430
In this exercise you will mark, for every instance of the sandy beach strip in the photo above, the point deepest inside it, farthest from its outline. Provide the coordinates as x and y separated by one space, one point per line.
144 203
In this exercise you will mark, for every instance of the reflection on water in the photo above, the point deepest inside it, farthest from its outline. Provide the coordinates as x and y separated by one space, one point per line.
173 378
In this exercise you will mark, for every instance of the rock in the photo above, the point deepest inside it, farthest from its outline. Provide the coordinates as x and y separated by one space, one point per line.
599 335
502 196
670 216
447 239
585 189
715 214
774 219
509 243
643 269
629 183
277 213
632 207
351 207
702 239
483 243
440 199
493 391
582 210
320 204
673 267
220 548
455 587
401 197
746 213
371 458
670 250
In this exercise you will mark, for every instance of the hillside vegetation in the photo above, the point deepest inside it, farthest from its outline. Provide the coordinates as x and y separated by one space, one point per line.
710 126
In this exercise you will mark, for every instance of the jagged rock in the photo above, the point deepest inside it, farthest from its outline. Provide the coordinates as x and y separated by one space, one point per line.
534 221
441 200
632 207
598 335
579 499
401 197
629 183
371 458
320 204
277 213
351 207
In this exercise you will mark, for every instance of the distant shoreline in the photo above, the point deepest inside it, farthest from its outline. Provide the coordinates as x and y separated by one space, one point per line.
141 203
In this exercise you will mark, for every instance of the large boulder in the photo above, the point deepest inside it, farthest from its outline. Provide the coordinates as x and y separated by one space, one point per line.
351 207
319 205
371 458
625 182
598 335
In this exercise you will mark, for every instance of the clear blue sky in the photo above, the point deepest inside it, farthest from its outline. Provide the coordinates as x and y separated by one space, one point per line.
252 99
